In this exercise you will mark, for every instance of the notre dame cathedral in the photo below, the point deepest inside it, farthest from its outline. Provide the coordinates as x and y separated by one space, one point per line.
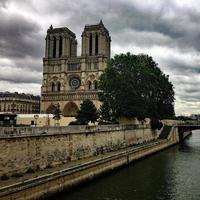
68 79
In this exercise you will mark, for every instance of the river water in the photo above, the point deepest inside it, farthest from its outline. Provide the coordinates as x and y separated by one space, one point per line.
173 174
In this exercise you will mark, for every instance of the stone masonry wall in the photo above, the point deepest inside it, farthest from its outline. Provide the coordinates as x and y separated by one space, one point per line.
39 148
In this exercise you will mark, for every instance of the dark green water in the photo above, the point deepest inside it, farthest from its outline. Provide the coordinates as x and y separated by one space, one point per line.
173 174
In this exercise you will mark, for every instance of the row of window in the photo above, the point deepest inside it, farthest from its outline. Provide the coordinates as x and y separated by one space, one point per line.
60 47
74 67
92 66
77 66
55 87
54 68
19 108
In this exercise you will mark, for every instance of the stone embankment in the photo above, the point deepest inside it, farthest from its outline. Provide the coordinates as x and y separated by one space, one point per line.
103 148
39 148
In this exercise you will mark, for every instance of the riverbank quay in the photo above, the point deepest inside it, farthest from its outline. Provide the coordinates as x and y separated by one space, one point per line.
50 181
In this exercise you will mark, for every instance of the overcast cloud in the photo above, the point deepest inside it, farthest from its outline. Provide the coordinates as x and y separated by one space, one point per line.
168 30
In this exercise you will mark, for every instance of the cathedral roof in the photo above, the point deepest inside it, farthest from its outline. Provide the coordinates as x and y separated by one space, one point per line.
98 26
61 30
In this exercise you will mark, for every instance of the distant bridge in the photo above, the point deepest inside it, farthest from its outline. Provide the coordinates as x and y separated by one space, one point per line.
187 127
181 128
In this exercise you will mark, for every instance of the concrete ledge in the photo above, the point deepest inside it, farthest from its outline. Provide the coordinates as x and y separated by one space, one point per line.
15 132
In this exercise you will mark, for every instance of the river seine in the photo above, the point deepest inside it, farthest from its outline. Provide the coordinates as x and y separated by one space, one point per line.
173 174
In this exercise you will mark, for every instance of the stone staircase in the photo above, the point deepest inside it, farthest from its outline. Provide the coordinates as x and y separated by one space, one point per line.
165 132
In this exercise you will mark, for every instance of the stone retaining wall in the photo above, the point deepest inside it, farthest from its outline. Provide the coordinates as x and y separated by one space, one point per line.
49 184
23 149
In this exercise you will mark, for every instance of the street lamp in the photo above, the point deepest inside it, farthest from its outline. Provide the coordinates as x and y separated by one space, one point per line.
36 117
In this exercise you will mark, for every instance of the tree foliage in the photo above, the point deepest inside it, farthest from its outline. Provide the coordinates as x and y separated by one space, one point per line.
87 113
133 86
57 113
105 113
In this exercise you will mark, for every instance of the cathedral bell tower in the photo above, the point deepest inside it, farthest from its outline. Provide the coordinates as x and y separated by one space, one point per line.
60 42
96 40
68 79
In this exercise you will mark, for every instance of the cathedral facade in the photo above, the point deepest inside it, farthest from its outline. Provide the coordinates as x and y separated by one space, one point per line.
68 79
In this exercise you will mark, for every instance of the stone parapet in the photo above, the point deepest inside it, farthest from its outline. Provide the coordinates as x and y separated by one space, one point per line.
7 132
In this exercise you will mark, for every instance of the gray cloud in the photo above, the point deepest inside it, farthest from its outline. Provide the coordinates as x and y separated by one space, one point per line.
3 3
31 88
19 75
19 37
134 26
181 66
123 18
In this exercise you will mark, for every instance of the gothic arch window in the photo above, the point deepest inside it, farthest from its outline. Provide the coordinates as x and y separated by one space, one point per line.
96 44
54 47
90 44
70 109
89 83
47 46
53 87
89 66
70 47
60 46
96 66
58 86
95 85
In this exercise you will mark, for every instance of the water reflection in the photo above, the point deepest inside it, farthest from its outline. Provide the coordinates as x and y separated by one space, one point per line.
173 174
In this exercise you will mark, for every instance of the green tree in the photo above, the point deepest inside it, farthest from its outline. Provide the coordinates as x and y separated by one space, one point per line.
87 113
105 113
57 114
133 86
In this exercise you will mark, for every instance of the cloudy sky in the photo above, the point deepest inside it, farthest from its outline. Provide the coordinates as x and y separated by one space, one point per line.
168 30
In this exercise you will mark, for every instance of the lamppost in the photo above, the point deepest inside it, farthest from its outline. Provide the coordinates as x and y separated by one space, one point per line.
36 117
48 120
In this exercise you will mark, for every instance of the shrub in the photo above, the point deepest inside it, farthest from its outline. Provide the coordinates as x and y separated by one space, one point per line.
30 170
17 175
4 177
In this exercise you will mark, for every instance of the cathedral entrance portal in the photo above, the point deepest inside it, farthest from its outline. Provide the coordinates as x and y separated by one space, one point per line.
70 109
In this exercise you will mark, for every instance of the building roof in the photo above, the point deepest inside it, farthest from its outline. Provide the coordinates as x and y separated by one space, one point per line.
19 95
